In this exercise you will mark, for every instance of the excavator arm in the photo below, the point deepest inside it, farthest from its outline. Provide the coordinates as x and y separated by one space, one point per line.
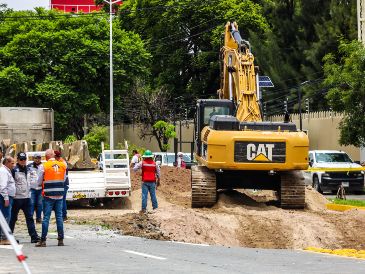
239 77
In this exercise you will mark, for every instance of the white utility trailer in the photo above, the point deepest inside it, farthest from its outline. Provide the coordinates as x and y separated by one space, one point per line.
111 182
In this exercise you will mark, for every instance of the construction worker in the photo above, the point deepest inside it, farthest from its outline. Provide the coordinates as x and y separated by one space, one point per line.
22 197
64 207
35 176
7 193
180 161
136 158
53 190
150 179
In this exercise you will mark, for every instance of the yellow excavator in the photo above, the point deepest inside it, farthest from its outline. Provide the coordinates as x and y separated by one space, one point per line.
234 147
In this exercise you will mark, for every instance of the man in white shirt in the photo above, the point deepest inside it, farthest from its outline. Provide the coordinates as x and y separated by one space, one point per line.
7 193
135 159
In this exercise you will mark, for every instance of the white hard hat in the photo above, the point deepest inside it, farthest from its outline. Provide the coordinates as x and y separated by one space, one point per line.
180 154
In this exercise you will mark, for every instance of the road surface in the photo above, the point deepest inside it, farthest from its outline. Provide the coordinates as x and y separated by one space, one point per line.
95 250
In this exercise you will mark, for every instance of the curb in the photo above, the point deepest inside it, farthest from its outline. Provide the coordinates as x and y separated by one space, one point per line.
338 207
352 253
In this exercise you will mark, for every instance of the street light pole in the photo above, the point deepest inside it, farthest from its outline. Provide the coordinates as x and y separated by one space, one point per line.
111 111
300 104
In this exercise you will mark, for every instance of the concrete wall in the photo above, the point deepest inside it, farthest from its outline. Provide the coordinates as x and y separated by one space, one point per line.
323 131
22 124
131 133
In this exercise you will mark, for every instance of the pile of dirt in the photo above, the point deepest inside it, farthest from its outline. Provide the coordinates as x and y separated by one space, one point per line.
138 225
174 184
240 218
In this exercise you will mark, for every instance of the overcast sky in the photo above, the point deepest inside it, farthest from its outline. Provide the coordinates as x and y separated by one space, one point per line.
25 4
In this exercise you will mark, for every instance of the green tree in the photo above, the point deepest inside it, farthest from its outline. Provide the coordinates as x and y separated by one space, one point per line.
164 132
301 33
345 80
61 61
184 39
95 137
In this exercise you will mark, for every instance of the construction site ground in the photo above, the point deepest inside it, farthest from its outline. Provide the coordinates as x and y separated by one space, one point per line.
243 218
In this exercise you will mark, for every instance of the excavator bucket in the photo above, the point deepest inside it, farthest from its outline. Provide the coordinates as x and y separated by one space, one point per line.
75 153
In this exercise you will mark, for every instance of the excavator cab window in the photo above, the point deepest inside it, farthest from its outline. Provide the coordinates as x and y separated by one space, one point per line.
209 111
205 109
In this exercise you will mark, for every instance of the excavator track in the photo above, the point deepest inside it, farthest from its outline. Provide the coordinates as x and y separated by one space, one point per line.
203 187
292 190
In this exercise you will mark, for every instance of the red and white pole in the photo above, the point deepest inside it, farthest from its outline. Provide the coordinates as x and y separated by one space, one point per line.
18 252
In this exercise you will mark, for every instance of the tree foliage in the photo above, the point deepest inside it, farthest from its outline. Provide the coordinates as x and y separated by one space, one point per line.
49 59
345 79
164 132
147 107
184 39
95 137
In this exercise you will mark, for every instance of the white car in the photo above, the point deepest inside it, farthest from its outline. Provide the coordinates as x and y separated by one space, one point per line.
329 169
168 158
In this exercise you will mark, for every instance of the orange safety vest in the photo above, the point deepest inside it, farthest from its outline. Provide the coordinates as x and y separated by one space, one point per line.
54 177
149 171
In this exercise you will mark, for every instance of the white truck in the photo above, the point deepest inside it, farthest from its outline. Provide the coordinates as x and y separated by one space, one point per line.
111 182
329 169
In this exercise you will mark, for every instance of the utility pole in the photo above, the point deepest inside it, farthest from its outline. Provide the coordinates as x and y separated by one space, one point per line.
361 38
361 20
111 125
300 103
307 107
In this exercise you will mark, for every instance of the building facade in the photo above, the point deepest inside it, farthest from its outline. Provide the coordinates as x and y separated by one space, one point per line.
85 6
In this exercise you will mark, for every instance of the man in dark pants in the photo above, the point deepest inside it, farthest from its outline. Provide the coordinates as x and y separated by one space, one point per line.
22 197
64 204
53 190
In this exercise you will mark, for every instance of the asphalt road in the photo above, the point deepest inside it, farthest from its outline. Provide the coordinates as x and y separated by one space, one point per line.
94 250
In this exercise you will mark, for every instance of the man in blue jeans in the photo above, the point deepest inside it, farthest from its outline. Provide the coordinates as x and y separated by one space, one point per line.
150 179
35 179
53 190
22 197
7 193
64 206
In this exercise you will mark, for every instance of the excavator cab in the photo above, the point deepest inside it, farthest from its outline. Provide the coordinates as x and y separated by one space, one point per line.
205 110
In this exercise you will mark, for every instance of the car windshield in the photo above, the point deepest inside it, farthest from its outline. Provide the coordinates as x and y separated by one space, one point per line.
333 158
171 158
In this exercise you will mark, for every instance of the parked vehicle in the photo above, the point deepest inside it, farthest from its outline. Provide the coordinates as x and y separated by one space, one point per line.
100 162
329 169
168 159
110 182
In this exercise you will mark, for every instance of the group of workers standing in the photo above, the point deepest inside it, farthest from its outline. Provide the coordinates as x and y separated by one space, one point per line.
36 187
42 187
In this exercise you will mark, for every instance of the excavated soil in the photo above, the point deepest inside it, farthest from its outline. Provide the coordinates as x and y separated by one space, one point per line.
240 218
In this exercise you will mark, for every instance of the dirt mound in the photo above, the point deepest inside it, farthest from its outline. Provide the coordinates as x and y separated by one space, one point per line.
240 218
139 225
314 200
